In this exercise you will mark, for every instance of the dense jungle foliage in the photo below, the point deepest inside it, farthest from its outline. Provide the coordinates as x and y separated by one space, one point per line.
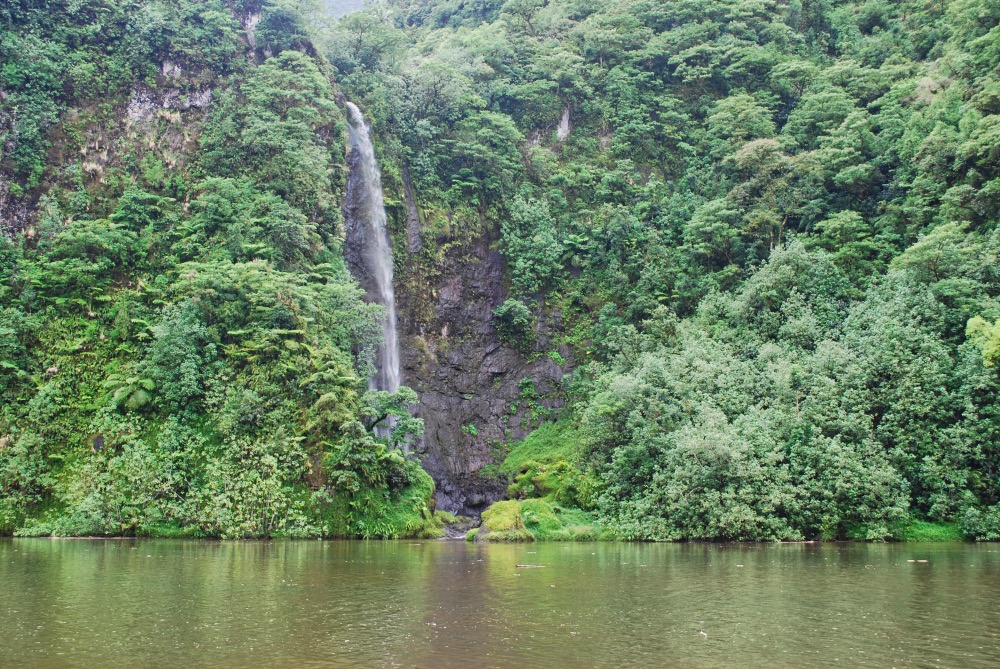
771 230
769 227
182 350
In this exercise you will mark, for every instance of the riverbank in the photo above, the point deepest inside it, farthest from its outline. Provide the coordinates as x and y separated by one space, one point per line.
531 520
511 521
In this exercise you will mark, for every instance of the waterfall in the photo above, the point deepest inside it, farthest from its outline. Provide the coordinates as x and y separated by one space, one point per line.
367 217
562 132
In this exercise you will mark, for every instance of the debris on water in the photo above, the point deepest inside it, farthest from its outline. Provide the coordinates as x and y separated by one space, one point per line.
529 566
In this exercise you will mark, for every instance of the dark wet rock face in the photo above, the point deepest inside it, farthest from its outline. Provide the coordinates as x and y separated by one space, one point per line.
413 242
357 200
15 214
471 386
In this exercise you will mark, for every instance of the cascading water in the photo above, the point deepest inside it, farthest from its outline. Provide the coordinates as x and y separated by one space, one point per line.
367 214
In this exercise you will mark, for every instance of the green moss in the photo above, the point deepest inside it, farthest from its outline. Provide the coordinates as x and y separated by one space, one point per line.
503 516
509 537
540 480
502 523
549 444
552 522
919 530
546 491
540 518
544 465
535 519
472 534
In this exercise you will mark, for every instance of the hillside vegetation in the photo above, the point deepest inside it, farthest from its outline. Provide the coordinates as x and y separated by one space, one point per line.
182 350
769 230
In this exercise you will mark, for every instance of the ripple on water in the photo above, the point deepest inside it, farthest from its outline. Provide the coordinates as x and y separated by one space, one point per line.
450 604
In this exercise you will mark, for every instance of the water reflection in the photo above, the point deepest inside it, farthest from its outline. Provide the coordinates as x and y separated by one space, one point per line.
79 603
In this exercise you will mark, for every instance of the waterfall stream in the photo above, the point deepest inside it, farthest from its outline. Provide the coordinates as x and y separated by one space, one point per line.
374 248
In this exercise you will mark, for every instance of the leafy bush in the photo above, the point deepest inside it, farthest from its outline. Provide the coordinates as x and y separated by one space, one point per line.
515 323
530 241
982 524
373 512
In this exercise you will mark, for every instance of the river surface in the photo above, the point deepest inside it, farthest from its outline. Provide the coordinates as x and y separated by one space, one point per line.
444 605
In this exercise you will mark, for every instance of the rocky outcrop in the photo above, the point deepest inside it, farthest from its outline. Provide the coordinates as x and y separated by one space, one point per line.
565 125
16 213
249 23
163 121
413 241
15 210
476 393
145 102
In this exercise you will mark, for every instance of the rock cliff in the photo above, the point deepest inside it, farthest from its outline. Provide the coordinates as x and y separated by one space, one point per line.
476 393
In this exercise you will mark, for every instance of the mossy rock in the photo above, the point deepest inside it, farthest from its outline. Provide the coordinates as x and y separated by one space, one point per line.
539 517
549 521
540 479
535 519
502 523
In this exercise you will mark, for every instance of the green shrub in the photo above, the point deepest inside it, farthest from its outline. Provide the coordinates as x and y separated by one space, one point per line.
377 513
515 323
982 524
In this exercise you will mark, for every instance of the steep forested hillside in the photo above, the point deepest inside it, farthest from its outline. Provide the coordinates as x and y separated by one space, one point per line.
769 229
183 350
759 238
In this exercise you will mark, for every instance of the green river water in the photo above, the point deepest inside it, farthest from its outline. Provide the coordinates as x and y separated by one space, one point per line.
446 604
